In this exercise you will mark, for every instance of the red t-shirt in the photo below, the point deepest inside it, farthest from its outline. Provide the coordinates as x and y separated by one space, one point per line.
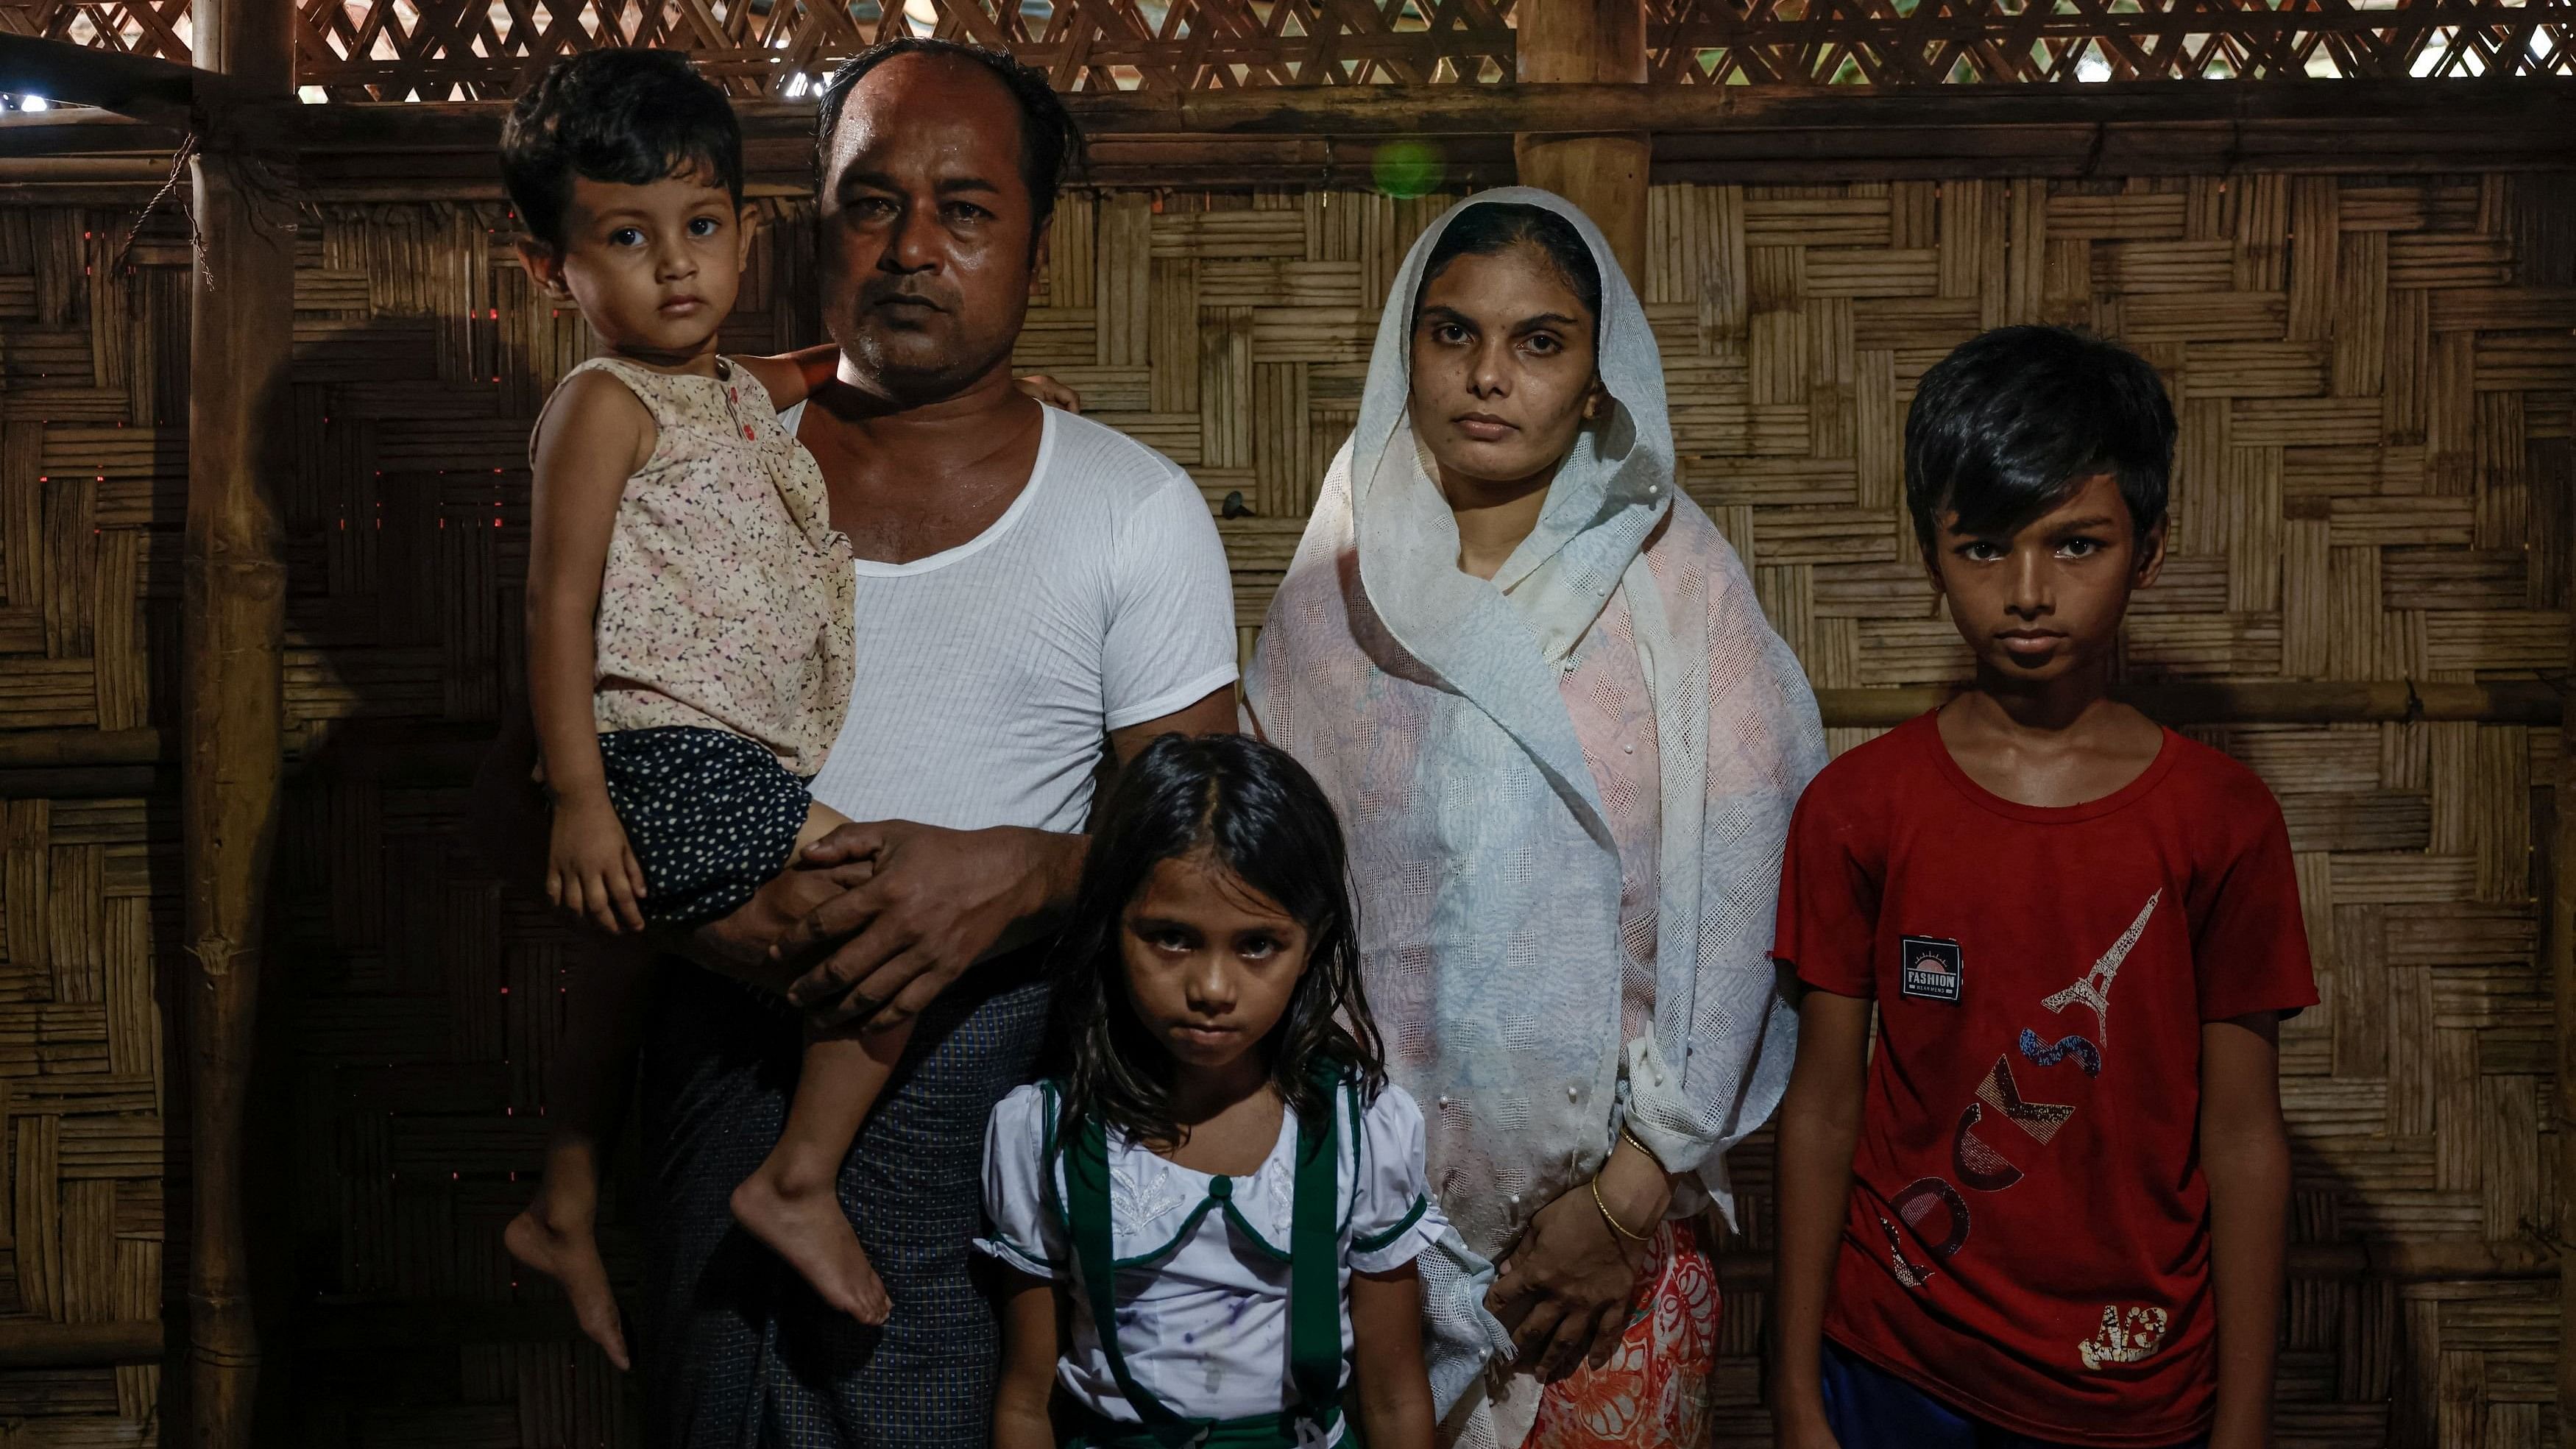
2028 1237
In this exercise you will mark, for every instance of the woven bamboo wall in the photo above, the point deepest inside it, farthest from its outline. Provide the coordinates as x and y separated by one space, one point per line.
2376 461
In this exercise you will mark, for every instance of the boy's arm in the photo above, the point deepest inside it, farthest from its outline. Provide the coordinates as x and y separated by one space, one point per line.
1819 1128
2245 1150
1386 1362
1028 1366
593 436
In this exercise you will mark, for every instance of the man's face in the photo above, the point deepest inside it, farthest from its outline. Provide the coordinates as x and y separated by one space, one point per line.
927 245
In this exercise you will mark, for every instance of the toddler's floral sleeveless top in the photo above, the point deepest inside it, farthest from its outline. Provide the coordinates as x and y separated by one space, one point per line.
727 598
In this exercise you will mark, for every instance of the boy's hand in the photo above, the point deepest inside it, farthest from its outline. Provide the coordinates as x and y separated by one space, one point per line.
1051 392
590 870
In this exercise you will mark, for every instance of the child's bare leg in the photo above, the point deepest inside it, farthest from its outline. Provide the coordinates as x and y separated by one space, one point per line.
585 1095
792 1201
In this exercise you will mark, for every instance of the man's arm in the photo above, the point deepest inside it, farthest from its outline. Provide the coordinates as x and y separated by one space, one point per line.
1819 1128
2245 1150
937 900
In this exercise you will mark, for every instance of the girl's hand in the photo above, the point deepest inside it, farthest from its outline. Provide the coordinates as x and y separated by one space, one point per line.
590 870
1802 1428
1051 392
1565 1290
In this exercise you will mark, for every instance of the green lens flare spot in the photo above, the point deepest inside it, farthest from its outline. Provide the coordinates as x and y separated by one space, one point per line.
1406 169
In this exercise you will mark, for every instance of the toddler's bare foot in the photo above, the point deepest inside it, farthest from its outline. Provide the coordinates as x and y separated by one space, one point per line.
560 1245
804 1224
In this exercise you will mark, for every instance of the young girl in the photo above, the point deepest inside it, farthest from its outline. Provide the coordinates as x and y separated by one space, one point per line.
1220 1201
690 635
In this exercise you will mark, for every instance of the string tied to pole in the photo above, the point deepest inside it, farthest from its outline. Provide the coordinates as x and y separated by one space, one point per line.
196 243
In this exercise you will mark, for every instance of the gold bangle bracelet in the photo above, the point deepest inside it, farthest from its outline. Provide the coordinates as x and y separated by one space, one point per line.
1631 1139
1615 1225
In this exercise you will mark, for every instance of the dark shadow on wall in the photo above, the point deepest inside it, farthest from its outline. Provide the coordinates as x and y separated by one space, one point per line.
413 1002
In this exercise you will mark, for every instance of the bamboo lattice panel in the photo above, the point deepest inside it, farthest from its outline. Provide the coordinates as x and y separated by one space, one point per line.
90 490
2374 482
393 50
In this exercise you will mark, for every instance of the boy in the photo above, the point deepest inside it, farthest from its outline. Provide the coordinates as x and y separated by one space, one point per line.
2015 1224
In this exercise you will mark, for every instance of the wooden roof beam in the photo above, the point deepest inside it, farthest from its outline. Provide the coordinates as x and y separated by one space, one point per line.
142 87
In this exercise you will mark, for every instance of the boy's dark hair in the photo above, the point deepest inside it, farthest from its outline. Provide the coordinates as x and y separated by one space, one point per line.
1490 227
1259 814
632 117
2007 425
1050 141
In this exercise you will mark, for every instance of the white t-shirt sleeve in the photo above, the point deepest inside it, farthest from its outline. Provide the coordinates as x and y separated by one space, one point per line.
1171 626
1392 1216
1025 1234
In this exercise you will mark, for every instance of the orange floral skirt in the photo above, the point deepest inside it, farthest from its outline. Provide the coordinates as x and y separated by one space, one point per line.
1655 1390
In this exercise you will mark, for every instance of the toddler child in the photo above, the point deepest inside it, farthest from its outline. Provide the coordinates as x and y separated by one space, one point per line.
1213 1213
2011 1225
690 635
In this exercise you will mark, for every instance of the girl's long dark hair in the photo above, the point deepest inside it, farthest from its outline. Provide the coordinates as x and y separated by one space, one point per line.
1259 814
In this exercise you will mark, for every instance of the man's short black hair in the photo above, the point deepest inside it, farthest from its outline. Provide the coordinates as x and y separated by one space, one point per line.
2005 427
1050 142
628 116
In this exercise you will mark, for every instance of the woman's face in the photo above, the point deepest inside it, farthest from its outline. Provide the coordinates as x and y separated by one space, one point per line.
1502 366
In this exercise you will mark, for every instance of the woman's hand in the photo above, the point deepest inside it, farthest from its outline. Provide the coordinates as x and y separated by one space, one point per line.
590 870
1051 392
1565 1290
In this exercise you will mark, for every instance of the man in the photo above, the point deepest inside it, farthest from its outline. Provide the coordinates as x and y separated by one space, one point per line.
1030 584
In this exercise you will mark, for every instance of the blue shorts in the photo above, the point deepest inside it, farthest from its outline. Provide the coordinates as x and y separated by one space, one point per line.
1870 1408
710 815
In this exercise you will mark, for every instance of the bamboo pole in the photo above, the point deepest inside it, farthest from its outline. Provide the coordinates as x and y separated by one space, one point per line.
42 1344
1306 135
2543 227
2562 977
233 733
1603 172
241 332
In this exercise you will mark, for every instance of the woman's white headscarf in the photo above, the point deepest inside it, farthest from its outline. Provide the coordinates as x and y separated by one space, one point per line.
1427 702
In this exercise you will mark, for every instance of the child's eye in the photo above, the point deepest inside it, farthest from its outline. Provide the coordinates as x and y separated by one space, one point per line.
2080 547
1167 940
704 226
626 236
1981 551
1257 948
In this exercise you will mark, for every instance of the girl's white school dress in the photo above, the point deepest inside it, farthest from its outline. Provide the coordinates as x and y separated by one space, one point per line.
1230 1296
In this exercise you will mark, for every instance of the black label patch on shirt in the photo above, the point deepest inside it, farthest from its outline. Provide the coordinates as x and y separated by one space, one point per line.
1931 968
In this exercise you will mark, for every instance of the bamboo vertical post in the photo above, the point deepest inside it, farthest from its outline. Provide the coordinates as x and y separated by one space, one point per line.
2544 226
240 333
2562 977
1604 173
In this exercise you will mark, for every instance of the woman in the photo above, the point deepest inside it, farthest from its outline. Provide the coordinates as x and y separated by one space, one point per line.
1565 743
